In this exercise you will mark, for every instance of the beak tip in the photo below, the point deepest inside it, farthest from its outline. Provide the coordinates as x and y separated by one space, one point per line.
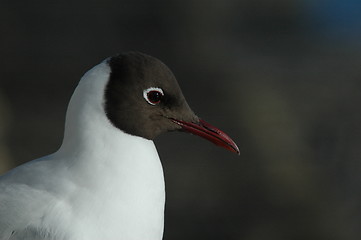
237 151
233 147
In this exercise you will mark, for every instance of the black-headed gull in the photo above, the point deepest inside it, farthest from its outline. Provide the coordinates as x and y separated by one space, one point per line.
106 180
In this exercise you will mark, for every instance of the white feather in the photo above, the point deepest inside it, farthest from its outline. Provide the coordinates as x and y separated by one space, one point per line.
101 184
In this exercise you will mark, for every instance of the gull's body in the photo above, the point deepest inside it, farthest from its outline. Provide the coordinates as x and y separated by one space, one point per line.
106 180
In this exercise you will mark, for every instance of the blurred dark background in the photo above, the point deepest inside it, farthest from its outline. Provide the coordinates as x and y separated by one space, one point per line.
282 77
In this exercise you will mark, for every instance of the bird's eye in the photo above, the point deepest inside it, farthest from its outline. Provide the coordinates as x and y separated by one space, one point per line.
153 95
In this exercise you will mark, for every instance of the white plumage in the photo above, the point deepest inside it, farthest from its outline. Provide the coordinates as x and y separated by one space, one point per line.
106 180
101 184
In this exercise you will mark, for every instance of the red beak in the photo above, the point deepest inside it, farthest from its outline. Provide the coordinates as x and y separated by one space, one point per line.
209 132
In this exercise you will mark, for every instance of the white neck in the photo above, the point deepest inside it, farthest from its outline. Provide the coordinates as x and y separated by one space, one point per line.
122 172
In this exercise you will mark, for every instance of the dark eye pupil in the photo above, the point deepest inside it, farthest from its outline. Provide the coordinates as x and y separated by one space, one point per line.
154 96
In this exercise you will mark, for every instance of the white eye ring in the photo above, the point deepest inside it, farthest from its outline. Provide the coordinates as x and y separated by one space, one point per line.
147 94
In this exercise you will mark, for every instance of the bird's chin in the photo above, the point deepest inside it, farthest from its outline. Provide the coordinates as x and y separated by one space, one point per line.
205 130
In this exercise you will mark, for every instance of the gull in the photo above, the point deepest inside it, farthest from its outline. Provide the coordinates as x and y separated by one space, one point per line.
106 180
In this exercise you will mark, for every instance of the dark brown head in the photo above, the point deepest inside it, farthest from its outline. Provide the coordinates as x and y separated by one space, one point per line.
143 98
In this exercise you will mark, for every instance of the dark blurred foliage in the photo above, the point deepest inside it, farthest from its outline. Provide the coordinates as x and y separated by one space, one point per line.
282 77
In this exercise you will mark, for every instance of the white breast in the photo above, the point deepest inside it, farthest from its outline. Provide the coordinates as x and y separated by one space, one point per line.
101 184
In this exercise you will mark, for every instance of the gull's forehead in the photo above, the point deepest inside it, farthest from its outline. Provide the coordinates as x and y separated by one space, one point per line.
140 71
